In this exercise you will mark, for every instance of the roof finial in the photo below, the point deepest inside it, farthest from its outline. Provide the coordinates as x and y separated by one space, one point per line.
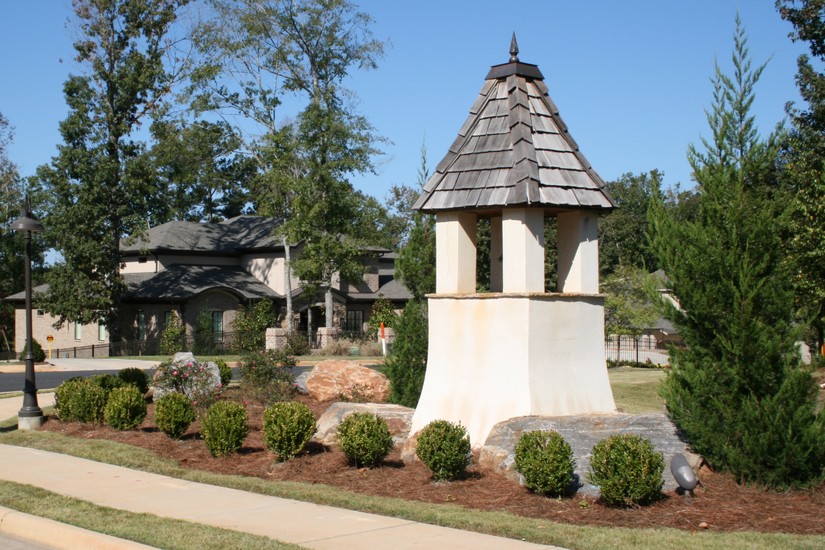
514 49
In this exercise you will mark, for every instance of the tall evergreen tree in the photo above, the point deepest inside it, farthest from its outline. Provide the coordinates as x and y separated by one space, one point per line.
415 265
737 390
99 187
804 163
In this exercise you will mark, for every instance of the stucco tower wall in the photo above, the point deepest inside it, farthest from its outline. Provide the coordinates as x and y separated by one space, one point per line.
486 364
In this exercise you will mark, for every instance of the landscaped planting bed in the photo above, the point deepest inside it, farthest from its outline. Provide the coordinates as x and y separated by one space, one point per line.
718 504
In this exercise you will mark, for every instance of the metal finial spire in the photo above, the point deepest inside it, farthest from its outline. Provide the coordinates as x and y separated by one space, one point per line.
514 49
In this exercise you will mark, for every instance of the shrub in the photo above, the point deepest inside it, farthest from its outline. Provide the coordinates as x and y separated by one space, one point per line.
445 448
338 348
107 381
545 460
224 428
365 439
406 366
226 372
627 469
135 377
80 400
125 409
297 344
287 428
267 375
382 312
250 325
191 378
173 337
174 413
37 352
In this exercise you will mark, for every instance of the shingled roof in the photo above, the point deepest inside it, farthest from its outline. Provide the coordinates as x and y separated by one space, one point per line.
514 150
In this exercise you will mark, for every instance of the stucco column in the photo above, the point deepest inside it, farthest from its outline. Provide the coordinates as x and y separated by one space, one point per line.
455 244
522 235
496 258
578 246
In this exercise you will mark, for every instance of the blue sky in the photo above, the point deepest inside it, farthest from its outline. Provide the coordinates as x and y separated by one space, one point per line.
630 78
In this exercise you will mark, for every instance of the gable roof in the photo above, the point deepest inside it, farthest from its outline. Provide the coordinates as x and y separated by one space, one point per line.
514 150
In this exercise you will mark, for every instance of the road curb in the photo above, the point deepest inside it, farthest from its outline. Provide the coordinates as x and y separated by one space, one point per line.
59 535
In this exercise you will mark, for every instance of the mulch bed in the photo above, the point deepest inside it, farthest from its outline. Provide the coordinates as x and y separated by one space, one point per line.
718 504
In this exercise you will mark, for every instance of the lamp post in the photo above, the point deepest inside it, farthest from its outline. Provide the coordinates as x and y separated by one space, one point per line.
30 415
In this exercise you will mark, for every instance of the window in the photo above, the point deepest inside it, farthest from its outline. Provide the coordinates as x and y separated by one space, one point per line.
78 331
167 319
40 313
101 332
141 325
355 321
217 326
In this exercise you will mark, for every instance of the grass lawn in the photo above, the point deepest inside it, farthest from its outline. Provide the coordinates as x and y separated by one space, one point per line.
636 390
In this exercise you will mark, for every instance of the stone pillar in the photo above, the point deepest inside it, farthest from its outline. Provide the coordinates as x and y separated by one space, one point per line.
496 255
327 335
578 245
522 235
276 338
455 235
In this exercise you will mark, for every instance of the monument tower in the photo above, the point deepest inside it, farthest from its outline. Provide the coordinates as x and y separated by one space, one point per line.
517 350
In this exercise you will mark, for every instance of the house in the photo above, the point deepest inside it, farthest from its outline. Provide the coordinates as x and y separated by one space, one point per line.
188 269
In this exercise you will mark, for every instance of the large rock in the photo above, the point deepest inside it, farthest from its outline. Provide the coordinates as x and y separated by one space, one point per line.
333 378
398 420
582 432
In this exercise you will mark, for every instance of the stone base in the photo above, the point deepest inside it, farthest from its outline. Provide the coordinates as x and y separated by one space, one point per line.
30 422
582 432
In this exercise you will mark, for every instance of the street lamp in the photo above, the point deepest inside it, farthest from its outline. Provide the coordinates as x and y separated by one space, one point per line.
30 415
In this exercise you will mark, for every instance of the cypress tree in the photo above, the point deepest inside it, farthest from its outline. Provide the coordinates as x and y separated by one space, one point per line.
737 390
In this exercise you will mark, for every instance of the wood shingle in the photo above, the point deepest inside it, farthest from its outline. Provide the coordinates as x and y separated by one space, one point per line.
514 150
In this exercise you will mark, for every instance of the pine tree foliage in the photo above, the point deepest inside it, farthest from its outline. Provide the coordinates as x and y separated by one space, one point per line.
99 188
407 364
737 390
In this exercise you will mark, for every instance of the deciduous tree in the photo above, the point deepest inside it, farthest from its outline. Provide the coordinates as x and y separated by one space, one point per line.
99 187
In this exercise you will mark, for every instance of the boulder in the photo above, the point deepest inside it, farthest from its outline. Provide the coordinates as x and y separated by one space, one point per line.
331 379
398 420
582 432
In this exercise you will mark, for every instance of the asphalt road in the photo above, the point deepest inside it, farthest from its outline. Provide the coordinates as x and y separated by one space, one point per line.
44 380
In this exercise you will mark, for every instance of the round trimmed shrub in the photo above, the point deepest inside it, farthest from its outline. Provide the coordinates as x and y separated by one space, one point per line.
445 448
125 409
627 469
174 413
135 377
287 427
80 400
107 381
365 439
37 352
545 460
224 427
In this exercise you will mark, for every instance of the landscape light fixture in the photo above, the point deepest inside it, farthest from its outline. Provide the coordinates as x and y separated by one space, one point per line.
30 415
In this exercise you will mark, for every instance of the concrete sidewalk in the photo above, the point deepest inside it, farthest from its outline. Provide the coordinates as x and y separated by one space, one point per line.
308 525
9 406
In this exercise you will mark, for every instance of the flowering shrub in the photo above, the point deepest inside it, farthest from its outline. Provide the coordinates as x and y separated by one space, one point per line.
195 379
267 375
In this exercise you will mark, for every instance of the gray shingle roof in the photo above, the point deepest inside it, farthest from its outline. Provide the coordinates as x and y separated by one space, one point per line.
182 282
514 150
232 236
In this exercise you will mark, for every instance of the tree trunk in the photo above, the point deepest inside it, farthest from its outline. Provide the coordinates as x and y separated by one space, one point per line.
288 283
328 306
